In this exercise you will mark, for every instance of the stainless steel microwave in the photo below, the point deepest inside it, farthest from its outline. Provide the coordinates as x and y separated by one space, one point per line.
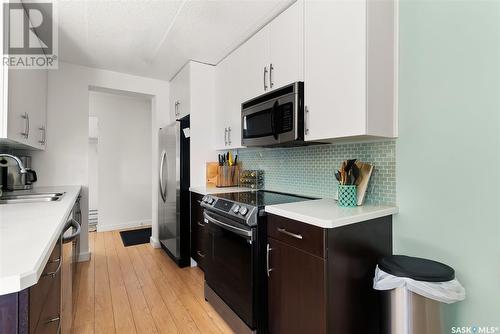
275 118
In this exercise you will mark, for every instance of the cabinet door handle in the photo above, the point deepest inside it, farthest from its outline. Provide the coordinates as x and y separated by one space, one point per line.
43 133
26 118
200 224
225 136
200 254
268 270
265 77
306 121
293 235
271 68
229 135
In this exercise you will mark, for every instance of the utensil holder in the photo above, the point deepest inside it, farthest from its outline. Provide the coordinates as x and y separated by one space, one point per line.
347 195
228 176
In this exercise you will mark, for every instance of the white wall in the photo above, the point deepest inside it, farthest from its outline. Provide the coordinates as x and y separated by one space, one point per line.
124 170
448 150
65 160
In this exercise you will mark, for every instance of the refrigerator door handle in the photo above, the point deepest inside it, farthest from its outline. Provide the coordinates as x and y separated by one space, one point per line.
163 191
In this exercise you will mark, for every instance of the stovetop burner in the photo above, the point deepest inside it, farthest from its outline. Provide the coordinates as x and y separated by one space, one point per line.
261 198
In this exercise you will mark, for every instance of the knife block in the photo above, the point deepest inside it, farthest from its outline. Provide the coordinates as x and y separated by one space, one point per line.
228 176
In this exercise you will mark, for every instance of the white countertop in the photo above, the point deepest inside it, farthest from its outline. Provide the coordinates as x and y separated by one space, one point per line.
326 213
204 190
28 232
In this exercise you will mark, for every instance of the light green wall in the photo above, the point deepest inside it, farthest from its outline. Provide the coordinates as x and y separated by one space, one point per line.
449 147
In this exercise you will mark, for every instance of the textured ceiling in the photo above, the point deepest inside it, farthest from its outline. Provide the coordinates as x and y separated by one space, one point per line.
155 38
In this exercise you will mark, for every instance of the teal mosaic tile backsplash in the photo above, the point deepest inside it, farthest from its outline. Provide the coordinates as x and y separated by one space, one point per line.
309 170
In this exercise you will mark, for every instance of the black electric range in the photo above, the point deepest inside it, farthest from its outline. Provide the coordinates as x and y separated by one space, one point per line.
235 270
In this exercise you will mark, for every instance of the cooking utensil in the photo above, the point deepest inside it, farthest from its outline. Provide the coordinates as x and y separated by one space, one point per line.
337 175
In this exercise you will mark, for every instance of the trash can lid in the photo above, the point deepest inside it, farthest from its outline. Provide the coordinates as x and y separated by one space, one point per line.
416 268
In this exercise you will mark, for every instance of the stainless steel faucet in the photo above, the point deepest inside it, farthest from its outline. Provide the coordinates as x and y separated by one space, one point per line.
16 159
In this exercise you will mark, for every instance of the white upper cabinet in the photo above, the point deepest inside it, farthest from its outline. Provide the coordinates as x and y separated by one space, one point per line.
286 36
179 94
350 69
27 107
270 59
23 113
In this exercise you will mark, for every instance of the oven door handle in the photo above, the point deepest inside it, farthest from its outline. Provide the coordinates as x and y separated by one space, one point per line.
244 233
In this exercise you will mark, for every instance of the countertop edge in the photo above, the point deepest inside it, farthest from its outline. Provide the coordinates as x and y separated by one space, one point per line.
203 190
334 222
24 280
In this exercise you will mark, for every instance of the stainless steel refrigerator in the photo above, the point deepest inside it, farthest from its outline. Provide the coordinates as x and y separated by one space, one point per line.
173 200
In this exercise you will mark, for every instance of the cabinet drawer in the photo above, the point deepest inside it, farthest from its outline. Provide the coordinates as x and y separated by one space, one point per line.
39 293
50 316
199 248
306 237
199 233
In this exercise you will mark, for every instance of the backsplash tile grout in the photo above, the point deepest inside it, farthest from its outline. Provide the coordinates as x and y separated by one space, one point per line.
309 170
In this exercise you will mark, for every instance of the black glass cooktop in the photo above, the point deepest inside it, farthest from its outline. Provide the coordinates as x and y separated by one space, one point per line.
261 198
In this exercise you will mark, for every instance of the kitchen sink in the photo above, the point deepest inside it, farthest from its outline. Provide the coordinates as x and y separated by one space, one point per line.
30 198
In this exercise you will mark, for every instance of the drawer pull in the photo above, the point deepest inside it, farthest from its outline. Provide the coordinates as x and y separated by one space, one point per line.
58 318
268 269
293 235
200 224
200 254
53 274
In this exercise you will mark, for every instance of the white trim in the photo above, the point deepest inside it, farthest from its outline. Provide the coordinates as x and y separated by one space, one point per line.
154 242
396 69
125 225
84 257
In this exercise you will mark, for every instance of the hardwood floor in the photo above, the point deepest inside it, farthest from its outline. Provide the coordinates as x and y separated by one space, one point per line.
138 289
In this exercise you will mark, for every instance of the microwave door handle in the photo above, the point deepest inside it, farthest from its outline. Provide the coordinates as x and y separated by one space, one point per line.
275 120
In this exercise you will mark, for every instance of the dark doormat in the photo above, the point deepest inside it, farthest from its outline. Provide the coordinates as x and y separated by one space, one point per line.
135 237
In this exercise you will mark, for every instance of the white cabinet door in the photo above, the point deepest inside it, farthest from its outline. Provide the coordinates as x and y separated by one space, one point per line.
224 93
286 36
179 94
27 106
18 123
228 99
251 72
335 39
38 115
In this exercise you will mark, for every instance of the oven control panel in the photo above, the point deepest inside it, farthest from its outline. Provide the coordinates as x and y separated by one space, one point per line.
229 207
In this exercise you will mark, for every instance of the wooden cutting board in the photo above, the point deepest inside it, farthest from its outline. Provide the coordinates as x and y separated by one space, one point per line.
365 172
212 171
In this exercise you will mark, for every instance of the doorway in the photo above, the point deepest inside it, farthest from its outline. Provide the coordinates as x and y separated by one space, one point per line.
119 163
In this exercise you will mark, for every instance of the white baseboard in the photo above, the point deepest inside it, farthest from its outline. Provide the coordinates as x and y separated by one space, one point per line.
123 226
154 242
84 257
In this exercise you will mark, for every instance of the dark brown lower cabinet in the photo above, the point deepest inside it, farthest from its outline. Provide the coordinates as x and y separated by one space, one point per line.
199 233
320 280
296 285
35 309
